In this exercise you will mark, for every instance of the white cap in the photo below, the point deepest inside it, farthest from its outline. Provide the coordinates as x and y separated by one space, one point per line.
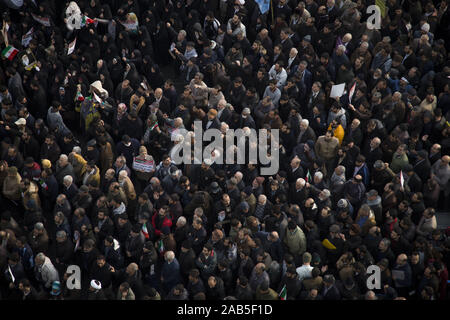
425 27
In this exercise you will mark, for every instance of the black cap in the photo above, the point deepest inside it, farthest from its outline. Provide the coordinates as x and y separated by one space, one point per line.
148 245
29 160
186 244
136 228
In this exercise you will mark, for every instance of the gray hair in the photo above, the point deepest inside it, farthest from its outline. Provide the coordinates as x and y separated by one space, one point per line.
169 256
182 220
77 150
61 234
68 179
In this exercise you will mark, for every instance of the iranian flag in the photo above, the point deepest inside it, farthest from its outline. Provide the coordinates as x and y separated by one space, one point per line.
283 293
9 52
79 96
308 177
352 91
145 231
87 21
160 246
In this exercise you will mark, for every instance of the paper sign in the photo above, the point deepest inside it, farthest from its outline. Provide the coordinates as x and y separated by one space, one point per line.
143 165
337 90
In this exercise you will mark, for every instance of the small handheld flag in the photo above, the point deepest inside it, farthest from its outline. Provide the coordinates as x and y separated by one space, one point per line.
145 231
351 92
283 293
308 177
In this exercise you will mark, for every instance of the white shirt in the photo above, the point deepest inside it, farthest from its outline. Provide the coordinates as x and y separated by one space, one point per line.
304 272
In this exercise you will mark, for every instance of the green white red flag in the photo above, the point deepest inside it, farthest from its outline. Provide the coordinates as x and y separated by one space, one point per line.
283 293
145 231
9 52
308 177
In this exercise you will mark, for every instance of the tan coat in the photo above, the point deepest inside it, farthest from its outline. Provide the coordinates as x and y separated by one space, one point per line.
11 187
32 193
326 150
79 165
106 157
128 187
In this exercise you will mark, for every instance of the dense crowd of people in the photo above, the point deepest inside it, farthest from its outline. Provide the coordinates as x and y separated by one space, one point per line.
90 115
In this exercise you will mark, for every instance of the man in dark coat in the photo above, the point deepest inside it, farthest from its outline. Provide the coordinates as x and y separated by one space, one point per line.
330 290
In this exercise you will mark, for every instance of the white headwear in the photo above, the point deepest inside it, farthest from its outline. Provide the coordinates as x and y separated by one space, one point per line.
97 285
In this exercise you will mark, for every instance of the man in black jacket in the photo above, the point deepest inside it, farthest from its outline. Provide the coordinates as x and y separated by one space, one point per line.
329 290
292 283
186 259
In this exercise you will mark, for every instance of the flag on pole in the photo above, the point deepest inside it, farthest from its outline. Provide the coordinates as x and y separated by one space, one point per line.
26 38
283 293
351 92
71 47
145 231
42 20
9 52
402 180
308 177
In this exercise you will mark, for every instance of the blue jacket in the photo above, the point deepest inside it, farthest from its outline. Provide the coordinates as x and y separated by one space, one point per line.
407 275
171 274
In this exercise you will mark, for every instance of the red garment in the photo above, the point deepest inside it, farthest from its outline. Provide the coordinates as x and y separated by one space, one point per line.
167 222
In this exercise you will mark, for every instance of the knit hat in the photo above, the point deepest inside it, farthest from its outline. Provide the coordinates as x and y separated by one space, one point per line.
248 190
136 228
46 164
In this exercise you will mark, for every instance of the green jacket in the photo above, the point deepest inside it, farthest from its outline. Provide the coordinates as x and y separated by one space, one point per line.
295 241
